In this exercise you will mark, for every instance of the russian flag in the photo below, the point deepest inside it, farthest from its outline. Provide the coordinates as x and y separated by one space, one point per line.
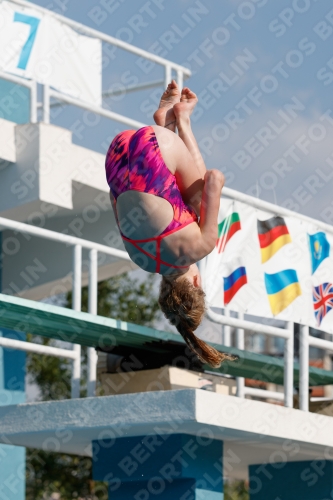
234 281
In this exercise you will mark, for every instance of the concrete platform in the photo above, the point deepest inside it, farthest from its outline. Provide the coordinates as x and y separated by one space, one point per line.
253 432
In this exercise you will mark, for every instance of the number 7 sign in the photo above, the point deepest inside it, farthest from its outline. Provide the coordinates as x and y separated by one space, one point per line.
33 22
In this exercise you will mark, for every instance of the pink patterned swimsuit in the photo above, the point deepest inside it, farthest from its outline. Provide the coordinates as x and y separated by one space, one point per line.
134 162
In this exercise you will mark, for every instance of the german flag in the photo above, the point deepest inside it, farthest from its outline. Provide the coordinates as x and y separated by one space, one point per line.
273 234
226 229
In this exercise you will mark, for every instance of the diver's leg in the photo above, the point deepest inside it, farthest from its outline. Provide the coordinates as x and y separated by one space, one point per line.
189 170
183 111
164 116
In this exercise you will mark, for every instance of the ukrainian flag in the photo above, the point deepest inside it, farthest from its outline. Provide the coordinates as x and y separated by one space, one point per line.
282 289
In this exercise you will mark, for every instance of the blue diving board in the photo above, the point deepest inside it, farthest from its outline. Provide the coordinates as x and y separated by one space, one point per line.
119 336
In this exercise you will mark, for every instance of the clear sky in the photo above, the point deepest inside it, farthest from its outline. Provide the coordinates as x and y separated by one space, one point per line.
263 71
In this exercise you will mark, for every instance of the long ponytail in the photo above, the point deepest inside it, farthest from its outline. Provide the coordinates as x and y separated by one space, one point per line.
205 352
184 306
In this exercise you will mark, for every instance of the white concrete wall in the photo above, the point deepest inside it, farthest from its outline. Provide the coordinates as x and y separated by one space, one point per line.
50 182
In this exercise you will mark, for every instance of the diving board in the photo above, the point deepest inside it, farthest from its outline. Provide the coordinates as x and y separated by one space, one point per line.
252 431
120 337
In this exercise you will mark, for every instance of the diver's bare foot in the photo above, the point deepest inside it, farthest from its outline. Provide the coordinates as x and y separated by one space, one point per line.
165 116
188 101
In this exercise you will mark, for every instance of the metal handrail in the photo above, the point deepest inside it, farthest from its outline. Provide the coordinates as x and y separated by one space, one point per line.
270 207
272 331
106 38
48 93
306 340
261 393
241 325
78 244
169 66
287 334
21 345
21 227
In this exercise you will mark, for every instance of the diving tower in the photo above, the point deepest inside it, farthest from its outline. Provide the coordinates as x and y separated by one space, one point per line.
179 443
58 234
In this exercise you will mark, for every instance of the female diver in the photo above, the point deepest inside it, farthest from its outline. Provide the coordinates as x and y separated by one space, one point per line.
159 186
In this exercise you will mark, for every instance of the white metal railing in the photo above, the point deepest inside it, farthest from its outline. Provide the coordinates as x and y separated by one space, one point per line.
77 244
287 334
48 93
170 68
306 340
20 345
260 393
275 209
239 323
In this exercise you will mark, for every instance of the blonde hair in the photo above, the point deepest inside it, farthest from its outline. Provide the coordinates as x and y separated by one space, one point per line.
184 306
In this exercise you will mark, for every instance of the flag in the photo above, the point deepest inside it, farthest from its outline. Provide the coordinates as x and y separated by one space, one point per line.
282 289
235 279
273 234
38 46
319 248
322 300
226 229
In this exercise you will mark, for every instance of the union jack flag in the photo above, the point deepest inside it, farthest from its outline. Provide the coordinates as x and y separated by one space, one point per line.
322 300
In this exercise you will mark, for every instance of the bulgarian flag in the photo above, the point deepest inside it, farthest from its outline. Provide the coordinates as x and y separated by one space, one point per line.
226 229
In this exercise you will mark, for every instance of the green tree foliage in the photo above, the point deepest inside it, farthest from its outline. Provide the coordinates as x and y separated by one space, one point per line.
236 490
52 474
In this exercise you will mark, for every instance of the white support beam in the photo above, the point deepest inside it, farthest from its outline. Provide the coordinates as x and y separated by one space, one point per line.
260 393
46 104
96 109
227 330
289 367
240 344
304 343
20 345
247 325
180 78
167 75
92 309
320 343
76 305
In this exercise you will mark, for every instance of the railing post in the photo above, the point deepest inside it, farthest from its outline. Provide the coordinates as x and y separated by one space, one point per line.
180 78
167 75
33 102
76 305
226 331
240 344
46 104
92 309
289 367
304 368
